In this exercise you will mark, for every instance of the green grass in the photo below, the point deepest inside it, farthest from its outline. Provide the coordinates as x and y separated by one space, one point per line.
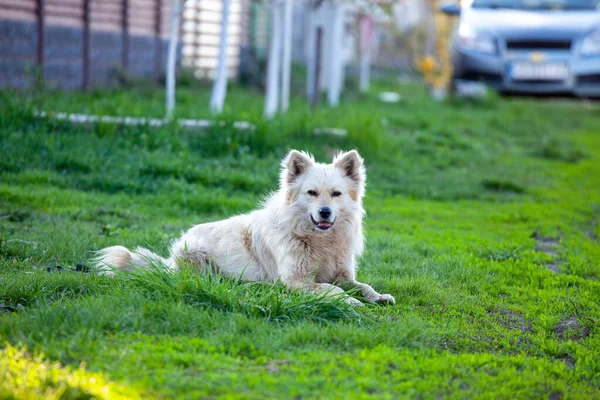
482 222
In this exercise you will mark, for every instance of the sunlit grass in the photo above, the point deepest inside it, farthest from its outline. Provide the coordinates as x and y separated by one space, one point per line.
23 376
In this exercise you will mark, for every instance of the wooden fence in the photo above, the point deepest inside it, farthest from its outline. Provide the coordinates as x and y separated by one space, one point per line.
200 38
126 18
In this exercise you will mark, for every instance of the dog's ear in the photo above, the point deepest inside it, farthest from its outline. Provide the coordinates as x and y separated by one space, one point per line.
351 163
295 164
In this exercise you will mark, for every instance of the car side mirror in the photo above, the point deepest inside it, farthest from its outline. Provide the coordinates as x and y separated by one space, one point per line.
450 8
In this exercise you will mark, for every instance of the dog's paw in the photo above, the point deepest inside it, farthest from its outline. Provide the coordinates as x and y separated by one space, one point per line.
386 299
353 302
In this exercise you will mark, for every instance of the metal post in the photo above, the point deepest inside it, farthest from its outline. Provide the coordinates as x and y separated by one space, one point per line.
125 34
86 44
40 42
157 40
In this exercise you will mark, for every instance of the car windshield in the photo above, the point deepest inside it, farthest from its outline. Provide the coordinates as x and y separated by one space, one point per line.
538 4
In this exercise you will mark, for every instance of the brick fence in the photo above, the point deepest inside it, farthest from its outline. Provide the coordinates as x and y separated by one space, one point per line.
78 44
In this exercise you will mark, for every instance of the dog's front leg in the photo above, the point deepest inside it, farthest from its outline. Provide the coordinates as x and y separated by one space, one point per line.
320 288
347 280
371 294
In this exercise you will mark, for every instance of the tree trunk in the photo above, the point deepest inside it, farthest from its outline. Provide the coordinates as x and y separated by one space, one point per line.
219 90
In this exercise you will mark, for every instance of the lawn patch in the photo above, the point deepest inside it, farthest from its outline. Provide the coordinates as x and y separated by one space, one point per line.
455 190
571 328
549 246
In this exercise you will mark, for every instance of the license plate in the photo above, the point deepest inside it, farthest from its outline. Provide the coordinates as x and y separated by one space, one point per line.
545 71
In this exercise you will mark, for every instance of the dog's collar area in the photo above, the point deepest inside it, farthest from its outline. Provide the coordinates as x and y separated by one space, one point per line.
322 225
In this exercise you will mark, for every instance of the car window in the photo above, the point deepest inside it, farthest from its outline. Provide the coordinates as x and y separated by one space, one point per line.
538 4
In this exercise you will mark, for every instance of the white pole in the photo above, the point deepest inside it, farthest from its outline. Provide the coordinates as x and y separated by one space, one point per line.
287 55
366 27
274 61
219 90
336 63
172 58
310 48
326 18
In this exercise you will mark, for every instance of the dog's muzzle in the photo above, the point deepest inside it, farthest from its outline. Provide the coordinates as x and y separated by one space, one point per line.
323 224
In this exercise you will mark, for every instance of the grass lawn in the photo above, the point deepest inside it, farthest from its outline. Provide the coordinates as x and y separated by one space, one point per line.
482 222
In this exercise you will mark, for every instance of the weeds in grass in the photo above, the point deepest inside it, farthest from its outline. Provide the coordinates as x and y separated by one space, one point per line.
499 185
560 149
498 255
271 301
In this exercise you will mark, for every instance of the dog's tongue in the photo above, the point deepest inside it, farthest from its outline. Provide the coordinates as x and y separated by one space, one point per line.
324 223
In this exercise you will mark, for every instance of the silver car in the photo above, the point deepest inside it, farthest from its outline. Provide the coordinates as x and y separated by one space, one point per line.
528 46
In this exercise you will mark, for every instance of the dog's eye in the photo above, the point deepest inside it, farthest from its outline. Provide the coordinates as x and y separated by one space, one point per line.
313 193
336 194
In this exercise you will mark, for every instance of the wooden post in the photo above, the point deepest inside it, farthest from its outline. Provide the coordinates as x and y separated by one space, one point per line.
125 34
40 42
316 88
157 39
86 44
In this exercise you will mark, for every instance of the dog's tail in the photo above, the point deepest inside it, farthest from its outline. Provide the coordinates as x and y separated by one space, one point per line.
120 258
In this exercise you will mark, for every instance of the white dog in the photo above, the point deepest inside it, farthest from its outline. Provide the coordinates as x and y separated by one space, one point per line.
308 235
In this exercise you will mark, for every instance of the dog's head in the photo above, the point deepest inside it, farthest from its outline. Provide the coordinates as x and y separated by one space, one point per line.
323 194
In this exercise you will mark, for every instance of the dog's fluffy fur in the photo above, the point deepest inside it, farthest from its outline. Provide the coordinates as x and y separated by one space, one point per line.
308 234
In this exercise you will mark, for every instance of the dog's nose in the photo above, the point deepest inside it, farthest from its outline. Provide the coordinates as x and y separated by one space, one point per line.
324 212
